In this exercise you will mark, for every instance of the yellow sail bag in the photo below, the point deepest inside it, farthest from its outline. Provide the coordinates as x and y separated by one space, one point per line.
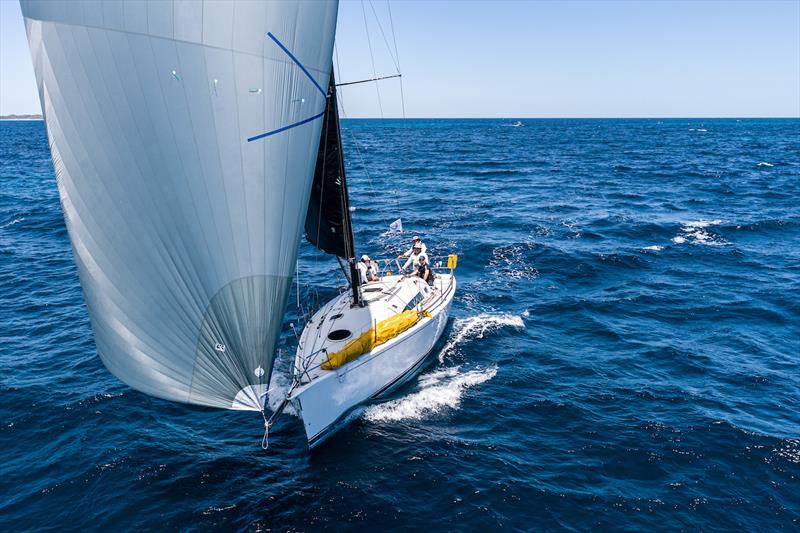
384 331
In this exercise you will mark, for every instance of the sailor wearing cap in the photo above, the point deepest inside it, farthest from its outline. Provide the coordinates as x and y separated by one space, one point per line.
415 242
366 270
417 247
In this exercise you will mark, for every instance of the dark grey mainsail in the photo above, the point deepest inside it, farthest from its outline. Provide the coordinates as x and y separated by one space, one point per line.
328 223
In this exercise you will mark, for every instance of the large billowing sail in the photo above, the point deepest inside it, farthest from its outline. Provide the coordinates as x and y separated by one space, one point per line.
184 136
327 207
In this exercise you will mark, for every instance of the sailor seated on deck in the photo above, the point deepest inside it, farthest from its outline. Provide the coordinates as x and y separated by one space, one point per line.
366 270
424 271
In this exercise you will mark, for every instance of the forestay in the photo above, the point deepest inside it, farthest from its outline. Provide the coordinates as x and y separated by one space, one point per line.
184 211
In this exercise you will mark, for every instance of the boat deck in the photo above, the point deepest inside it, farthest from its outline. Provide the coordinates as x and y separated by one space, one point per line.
337 323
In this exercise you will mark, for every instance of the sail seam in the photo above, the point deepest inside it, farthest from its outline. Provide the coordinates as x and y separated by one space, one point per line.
186 41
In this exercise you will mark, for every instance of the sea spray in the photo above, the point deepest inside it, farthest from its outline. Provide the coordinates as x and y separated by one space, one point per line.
696 232
438 390
278 389
475 327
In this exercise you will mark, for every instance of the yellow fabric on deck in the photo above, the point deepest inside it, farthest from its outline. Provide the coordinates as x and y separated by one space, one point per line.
384 331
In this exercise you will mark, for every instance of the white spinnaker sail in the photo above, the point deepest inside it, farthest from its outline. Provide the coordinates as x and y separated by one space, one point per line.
185 233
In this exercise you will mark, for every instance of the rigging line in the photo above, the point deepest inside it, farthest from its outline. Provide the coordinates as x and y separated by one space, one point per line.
297 284
366 170
397 55
338 63
402 95
371 79
372 57
340 97
394 39
265 438
385 40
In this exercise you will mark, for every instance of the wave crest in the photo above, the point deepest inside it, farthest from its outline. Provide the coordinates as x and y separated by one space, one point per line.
475 327
697 232
441 389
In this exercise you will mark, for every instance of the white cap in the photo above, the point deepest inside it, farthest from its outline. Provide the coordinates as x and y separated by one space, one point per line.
416 238
365 257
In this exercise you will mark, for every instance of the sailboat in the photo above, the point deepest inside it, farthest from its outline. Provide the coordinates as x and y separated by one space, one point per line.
193 144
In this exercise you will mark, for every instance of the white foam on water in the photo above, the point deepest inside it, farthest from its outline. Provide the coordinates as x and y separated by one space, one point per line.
442 389
475 327
278 389
789 450
702 223
510 260
654 248
765 164
695 232
15 220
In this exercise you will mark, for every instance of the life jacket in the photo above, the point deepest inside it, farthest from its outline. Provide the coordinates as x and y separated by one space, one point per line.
421 273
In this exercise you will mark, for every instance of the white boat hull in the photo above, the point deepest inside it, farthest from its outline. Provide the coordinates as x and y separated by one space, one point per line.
325 402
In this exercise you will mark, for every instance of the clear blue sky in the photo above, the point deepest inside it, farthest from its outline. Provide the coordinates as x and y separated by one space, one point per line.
542 59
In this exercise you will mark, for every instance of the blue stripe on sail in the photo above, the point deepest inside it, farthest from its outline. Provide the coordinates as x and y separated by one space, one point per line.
297 62
308 74
290 126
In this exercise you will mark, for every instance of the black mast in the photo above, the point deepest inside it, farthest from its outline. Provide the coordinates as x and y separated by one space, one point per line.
347 222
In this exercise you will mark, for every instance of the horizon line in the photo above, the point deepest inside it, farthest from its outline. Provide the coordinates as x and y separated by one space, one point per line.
579 118
38 116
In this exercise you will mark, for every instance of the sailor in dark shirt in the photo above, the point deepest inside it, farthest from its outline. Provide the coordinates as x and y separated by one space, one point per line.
424 271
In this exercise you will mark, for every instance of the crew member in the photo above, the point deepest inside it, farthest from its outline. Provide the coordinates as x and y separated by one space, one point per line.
415 242
413 258
424 271
366 271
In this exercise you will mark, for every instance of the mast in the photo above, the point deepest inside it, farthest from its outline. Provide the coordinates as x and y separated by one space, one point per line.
347 222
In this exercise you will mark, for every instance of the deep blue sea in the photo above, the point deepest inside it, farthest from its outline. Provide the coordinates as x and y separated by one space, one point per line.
623 352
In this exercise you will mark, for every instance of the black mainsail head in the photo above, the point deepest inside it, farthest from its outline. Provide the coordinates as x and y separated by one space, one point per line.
328 224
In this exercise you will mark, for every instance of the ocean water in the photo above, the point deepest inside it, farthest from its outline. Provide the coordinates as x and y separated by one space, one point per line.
623 352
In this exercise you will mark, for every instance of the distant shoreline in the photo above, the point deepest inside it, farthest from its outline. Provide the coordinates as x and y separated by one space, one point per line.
21 117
